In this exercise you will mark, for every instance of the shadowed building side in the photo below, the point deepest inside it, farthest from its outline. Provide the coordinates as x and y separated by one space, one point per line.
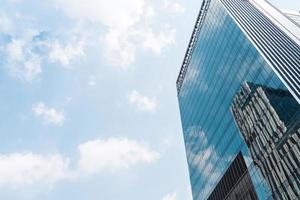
236 183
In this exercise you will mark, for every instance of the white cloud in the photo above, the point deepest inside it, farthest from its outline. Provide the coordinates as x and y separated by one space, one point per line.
173 6
49 115
6 24
127 24
171 196
156 42
65 54
28 48
119 51
142 102
17 26
26 168
23 169
15 50
150 12
122 45
118 16
25 56
22 61
114 13
113 154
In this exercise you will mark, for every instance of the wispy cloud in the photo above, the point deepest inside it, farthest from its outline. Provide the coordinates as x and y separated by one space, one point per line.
65 54
171 196
157 42
128 25
22 61
23 169
48 114
27 48
6 23
18 51
25 57
142 102
113 154
173 6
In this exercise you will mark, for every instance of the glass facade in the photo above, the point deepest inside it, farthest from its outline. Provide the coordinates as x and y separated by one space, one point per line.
269 119
236 183
223 60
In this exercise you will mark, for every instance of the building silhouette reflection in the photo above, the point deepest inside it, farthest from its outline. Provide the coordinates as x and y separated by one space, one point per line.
269 121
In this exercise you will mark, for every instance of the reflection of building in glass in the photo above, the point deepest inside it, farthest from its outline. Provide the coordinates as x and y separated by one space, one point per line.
237 41
268 120
236 183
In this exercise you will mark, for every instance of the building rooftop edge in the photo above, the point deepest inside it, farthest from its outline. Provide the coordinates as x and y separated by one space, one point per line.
292 12
279 17
191 45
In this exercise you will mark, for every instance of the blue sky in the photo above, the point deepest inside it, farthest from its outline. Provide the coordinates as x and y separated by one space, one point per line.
88 103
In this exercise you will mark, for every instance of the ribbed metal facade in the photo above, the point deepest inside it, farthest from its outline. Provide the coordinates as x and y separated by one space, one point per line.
294 17
278 48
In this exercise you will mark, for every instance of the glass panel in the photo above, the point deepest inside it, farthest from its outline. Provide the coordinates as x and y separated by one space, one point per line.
230 102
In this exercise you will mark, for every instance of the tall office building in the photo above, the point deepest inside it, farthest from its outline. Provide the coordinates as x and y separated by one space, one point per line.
239 94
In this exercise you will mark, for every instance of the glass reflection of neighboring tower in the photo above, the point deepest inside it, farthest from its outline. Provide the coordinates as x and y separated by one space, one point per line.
236 183
269 121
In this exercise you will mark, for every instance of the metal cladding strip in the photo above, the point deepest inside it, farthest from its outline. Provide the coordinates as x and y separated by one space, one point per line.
278 49
279 18
295 18
192 44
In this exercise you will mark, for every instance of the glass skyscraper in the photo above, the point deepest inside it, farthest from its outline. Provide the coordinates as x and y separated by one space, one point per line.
239 93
